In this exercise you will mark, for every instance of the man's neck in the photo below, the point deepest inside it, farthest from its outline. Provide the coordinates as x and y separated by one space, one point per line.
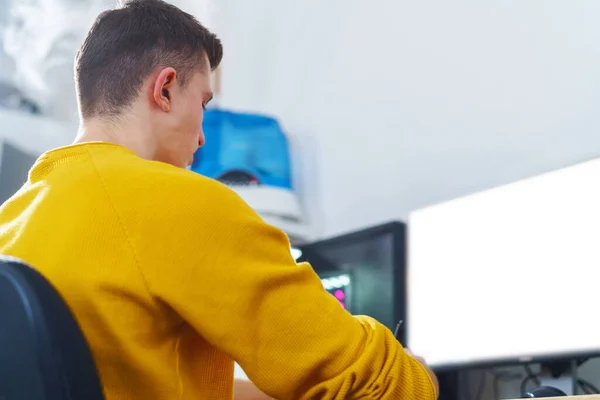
123 133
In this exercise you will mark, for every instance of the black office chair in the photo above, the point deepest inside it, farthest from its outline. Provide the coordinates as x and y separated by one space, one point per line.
43 353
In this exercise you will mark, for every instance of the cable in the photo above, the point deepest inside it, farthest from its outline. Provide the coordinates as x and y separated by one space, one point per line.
531 376
582 361
495 387
481 387
524 382
583 387
529 372
587 387
463 385
503 376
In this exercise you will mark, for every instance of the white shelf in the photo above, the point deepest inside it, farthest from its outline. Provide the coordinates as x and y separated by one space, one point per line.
298 232
34 134
278 207
271 200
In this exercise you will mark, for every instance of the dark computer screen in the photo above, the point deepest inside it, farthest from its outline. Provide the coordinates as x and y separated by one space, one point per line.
364 270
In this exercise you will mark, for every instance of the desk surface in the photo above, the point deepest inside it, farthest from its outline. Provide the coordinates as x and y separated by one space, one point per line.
589 397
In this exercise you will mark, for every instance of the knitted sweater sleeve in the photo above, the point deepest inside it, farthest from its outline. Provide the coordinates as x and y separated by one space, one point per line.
231 276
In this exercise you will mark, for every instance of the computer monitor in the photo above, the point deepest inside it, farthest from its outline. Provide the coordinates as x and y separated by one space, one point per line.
339 285
364 270
508 275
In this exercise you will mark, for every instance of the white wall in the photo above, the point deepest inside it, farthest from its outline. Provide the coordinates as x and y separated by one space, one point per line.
395 105
401 104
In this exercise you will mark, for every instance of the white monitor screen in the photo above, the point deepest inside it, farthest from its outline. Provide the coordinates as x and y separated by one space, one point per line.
509 273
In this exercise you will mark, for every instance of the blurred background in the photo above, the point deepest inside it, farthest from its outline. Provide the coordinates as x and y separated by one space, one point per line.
436 161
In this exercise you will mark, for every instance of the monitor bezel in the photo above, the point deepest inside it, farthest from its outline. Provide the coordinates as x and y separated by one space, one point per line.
398 231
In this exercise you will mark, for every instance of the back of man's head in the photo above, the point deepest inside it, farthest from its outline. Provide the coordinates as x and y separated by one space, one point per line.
125 45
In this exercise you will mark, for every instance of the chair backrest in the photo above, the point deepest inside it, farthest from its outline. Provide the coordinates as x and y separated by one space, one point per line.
43 353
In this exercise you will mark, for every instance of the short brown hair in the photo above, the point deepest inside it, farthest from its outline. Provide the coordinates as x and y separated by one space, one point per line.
126 44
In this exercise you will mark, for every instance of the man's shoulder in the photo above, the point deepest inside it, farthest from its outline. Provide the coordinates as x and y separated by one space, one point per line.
136 173
179 179
150 182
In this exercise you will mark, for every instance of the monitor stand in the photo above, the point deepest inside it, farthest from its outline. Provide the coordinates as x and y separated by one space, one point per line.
561 375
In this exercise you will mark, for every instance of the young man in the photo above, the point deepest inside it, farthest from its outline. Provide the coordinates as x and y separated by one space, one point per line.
170 274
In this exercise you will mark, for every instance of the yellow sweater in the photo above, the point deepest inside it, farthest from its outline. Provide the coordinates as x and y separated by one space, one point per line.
172 277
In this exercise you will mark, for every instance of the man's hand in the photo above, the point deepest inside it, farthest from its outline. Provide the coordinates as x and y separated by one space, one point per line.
429 371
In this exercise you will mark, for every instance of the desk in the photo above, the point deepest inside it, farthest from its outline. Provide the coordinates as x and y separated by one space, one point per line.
589 397
245 390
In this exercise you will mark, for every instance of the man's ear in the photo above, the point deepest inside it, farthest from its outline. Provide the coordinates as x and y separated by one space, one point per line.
163 88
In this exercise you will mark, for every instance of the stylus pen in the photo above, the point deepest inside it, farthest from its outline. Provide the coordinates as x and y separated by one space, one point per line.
397 331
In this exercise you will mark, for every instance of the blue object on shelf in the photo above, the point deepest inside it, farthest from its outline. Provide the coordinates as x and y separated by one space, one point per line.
243 149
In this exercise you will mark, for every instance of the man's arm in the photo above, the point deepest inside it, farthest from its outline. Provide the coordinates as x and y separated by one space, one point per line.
232 277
